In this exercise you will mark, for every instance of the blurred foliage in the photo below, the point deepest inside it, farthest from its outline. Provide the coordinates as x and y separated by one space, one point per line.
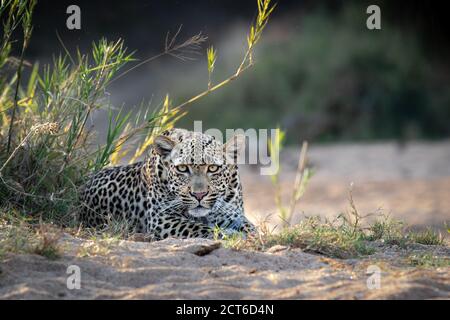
333 79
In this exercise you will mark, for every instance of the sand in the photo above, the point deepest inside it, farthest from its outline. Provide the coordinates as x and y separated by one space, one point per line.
409 182
180 269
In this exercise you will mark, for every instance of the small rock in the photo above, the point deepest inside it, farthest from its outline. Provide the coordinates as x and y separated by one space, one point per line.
203 249
277 248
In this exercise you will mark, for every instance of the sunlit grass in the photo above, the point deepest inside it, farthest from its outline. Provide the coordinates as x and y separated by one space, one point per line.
349 235
428 260
21 235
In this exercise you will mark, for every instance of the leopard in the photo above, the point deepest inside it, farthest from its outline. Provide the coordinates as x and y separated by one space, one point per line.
188 186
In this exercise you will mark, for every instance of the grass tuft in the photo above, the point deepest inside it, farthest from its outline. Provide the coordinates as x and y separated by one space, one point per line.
48 241
324 237
428 260
343 237
428 237
20 235
389 231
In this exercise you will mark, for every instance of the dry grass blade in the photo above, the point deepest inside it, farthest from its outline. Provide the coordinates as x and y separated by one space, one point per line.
301 178
49 237
184 50
178 50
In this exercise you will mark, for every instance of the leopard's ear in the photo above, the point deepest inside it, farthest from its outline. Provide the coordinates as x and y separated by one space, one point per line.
163 145
233 149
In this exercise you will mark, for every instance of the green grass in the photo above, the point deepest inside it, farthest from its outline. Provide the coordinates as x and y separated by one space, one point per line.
427 237
428 260
316 235
389 231
340 238
394 232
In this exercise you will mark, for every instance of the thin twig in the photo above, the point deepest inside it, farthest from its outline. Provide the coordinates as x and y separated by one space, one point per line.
213 88
170 49
298 180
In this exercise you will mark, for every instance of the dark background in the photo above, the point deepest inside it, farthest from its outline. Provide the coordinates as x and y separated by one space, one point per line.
142 21
320 73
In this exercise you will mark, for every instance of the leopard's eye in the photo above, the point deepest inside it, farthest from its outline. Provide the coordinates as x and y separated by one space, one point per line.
213 168
182 168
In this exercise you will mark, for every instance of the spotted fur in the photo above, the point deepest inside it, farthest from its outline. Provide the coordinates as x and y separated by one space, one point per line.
155 197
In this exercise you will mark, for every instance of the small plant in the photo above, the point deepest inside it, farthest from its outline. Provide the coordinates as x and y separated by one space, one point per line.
394 232
16 234
231 240
47 245
302 177
389 231
19 235
427 237
235 241
428 260
344 237
325 237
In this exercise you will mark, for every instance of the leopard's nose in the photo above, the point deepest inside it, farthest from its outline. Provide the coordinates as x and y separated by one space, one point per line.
199 195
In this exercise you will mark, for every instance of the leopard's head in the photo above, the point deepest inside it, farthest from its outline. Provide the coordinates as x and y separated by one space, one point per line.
198 169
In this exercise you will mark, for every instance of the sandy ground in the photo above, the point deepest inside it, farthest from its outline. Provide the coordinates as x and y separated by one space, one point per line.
410 182
200 269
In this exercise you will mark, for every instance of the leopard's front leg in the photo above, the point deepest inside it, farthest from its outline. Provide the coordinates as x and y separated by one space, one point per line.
229 216
237 223
179 227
